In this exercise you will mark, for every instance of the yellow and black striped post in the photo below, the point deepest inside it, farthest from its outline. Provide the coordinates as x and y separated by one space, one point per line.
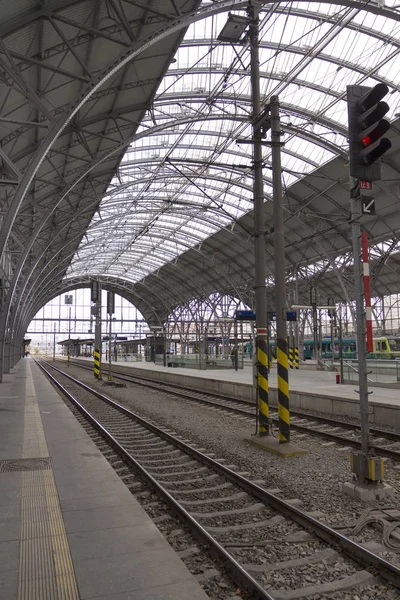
296 358
291 358
96 364
283 391
262 386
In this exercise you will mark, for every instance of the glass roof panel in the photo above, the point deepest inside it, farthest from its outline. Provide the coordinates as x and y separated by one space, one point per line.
191 172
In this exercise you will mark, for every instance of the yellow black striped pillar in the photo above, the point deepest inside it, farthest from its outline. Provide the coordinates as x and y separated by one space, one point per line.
296 358
96 365
283 392
262 386
291 358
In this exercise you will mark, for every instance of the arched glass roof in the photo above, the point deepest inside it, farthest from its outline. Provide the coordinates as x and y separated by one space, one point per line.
188 173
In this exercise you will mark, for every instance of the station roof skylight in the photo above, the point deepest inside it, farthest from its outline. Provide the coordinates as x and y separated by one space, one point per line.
187 174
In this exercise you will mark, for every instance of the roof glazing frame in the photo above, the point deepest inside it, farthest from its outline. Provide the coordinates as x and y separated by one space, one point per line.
172 128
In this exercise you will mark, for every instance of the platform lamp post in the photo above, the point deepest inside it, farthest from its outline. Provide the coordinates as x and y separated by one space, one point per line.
232 32
68 300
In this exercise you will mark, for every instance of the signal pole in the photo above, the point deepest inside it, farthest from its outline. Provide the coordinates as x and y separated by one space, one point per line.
355 201
366 146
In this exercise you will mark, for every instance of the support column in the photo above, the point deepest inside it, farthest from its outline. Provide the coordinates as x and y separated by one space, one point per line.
259 229
235 349
280 283
6 364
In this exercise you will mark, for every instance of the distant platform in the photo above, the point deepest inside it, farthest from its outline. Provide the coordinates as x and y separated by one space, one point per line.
309 389
69 528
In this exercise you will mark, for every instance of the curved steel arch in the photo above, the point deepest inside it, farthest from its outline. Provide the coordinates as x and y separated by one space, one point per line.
355 4
59 125
27 250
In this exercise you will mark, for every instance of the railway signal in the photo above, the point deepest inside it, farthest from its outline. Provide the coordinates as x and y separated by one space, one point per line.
366 130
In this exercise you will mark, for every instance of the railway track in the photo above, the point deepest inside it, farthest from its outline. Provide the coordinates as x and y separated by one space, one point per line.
271 549
385 443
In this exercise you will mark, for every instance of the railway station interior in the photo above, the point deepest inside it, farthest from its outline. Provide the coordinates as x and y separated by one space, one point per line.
200 300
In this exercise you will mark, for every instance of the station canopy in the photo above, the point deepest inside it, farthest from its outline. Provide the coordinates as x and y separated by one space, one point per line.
172 216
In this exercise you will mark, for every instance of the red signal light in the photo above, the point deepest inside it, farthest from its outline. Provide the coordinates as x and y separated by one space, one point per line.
366 141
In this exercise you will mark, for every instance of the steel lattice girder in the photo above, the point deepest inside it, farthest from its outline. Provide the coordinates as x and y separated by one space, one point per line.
74 140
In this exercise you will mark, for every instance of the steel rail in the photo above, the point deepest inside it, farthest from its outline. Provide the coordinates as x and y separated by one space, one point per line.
154 384
355 551
240 576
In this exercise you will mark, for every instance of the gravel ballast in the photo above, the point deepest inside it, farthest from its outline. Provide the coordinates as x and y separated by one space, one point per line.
314 478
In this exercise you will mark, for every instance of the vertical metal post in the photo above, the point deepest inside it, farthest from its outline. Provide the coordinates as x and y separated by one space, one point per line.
242 342
69 337
54 343
97 336
164 336
341 346
280 283
296 326
315 332
367 290
109 347
259 228
235 350
355 201
383 322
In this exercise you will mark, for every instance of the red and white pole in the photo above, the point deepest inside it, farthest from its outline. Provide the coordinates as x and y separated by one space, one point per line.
367 290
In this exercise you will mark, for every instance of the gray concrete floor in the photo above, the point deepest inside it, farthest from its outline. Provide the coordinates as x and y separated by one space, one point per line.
73 525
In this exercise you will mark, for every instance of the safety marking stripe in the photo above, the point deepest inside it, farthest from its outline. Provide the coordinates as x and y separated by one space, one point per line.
283 386
282 359
96 365
262 356
283 371
264 409
283 391
262 383
284 414
284 430
263 371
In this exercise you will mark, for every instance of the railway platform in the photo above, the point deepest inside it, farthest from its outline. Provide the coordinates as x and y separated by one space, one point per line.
69 528
309 390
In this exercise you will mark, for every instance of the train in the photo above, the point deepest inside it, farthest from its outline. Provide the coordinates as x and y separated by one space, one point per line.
384 347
